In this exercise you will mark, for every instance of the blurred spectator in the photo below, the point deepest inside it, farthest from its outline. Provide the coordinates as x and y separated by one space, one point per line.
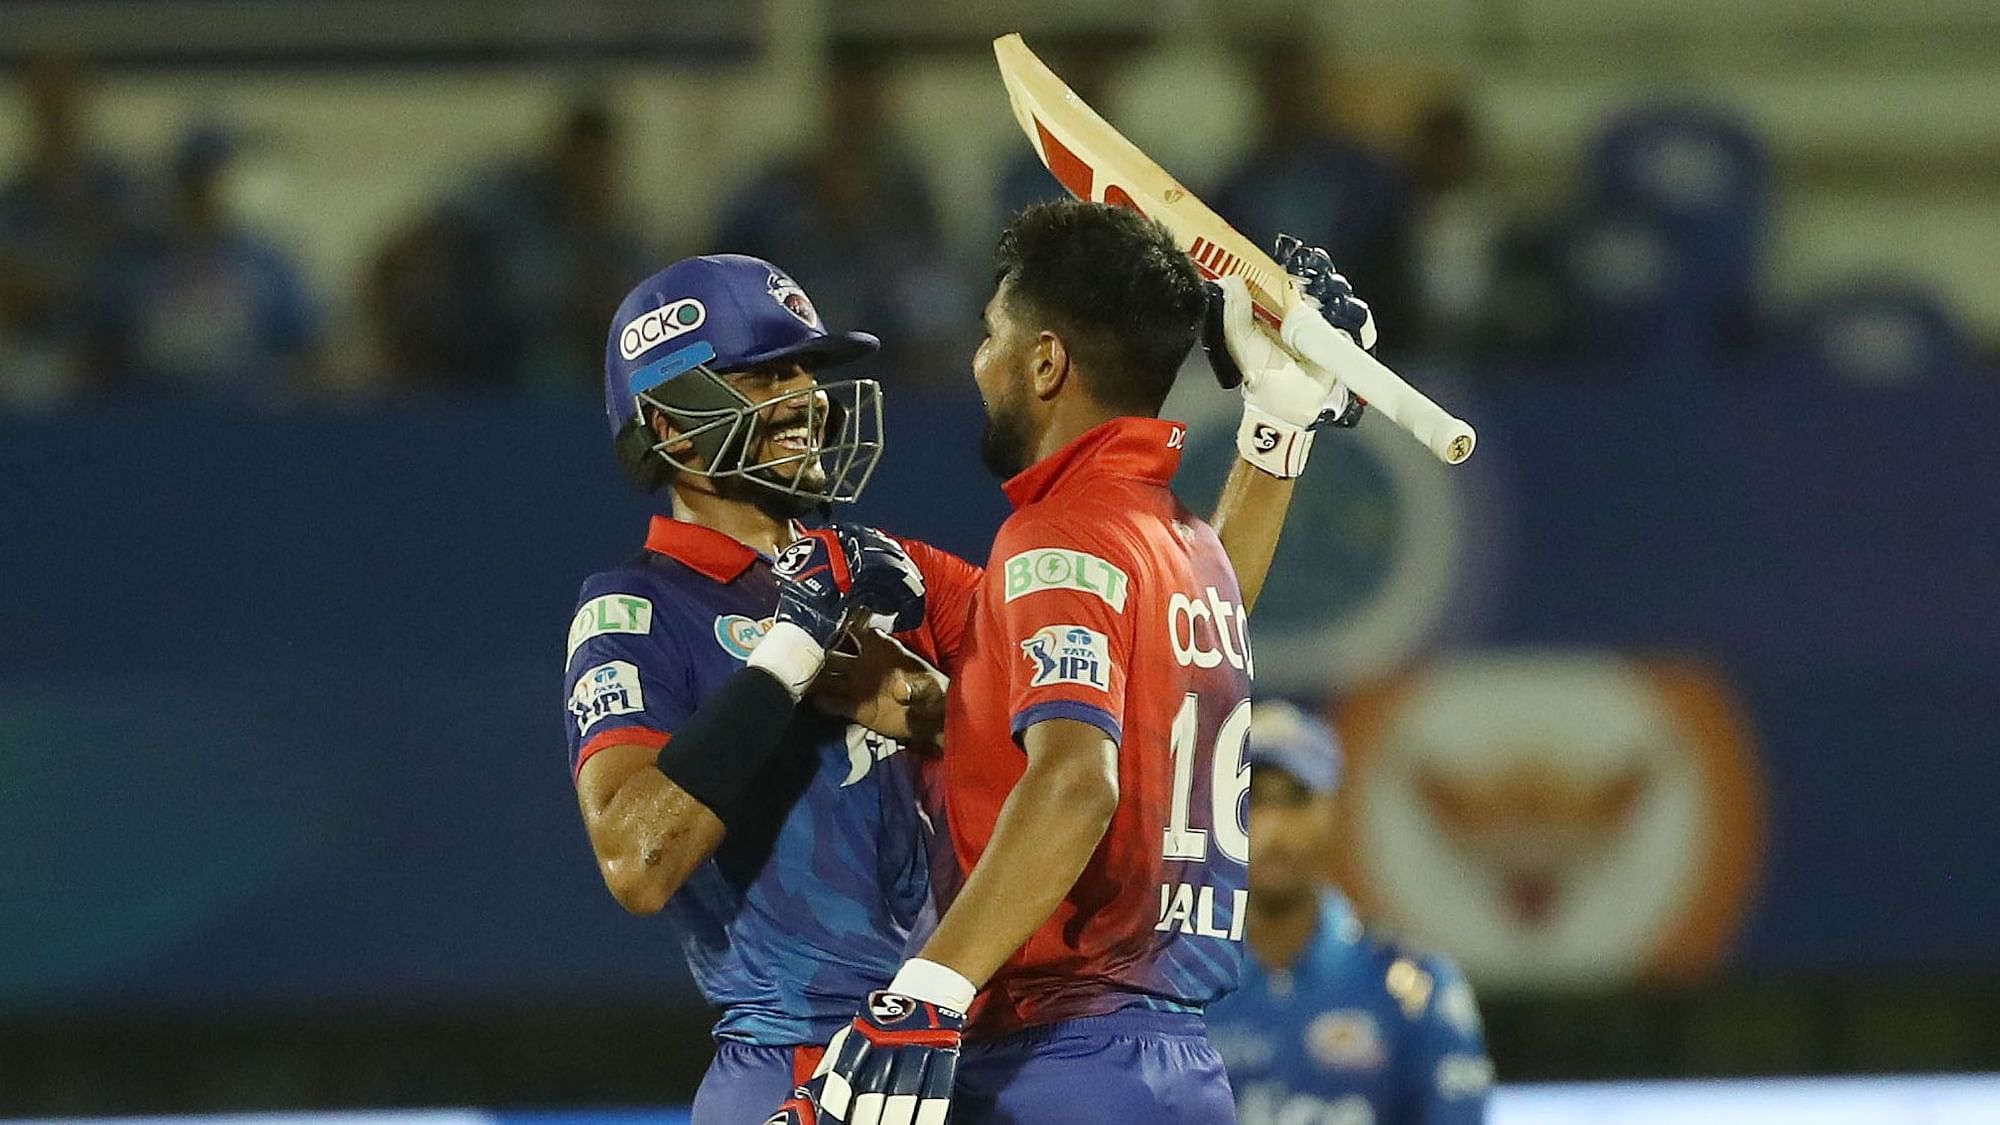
1655 265
202 305
1457 227
513 283
58 216
433 298
1306 177
1701 179
853 221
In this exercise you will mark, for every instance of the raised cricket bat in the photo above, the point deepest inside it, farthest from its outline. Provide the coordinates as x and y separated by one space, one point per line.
1094 162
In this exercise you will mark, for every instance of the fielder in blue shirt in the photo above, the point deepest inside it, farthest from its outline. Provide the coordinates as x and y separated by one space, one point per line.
1333 1026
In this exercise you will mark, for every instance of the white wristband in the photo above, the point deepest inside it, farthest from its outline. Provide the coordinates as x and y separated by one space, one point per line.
1272 444
790 654
935 984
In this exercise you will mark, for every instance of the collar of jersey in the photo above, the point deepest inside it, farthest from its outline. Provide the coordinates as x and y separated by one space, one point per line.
704 550
1146 448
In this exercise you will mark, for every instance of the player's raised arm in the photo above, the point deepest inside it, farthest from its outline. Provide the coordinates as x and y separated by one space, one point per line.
1284 402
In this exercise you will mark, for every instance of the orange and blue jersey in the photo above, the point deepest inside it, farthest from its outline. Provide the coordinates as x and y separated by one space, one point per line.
1355 1030
1105 601
823 877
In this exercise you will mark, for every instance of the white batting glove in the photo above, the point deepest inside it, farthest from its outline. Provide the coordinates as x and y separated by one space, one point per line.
1284 397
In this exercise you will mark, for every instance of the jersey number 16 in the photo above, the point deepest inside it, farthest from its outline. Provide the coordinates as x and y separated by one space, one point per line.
1229 781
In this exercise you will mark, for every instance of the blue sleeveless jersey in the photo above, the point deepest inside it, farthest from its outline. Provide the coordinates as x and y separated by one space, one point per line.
1357 1032
822 879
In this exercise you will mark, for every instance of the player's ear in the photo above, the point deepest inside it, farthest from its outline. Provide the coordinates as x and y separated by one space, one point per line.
663 429
1050 367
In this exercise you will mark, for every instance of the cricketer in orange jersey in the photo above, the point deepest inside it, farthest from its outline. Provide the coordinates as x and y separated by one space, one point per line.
1091 782
1107 603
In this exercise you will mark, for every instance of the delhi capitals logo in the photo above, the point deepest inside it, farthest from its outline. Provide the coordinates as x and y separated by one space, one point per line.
738 635
786 292
865 748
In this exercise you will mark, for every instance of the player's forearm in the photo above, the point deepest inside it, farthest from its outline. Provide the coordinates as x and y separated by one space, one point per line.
1248 519
1046 833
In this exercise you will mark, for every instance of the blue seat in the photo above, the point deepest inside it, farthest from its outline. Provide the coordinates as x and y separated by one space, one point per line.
1876 334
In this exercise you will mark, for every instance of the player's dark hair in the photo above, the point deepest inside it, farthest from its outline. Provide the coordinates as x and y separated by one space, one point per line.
644 467
1111 283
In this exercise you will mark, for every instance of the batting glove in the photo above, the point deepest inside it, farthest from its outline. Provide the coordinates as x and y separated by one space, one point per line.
827 578
896 1061
887 583
1284 398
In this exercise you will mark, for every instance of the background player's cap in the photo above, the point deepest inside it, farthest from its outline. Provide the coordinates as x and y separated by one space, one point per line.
728 311
1284 737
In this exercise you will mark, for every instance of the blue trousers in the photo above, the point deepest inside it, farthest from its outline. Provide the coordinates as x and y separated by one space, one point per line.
744 1084
1127 1068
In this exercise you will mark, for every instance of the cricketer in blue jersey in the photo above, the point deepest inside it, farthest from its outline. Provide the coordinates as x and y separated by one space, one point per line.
783 844
1332 1026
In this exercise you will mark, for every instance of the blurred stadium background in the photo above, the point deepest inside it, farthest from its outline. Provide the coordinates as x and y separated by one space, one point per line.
1672 714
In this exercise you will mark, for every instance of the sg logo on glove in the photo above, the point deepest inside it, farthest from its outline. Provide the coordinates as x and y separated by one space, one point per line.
889 1007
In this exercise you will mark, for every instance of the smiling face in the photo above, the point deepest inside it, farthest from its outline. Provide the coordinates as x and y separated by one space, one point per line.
791 423
785 434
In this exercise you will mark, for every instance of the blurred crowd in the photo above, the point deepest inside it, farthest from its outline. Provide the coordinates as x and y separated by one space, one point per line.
120 278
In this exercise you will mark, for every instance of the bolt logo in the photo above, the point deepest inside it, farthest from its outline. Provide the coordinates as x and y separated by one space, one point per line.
611 613
1069 654
786 292
650 329
1555 819
1057 568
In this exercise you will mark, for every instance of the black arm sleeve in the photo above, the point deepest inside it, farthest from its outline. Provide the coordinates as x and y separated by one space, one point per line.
728 740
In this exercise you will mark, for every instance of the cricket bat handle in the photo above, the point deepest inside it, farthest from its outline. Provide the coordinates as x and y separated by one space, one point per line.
1308 334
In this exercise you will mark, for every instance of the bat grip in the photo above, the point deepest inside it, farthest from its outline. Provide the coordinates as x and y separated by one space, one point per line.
1308 334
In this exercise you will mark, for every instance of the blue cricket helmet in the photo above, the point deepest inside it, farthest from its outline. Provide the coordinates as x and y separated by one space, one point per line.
678 332
746 310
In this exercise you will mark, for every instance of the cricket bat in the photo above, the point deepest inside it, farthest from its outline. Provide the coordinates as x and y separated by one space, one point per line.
1093 161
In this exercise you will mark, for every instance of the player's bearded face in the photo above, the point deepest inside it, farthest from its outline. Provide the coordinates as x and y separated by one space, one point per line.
1005 443
999 368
